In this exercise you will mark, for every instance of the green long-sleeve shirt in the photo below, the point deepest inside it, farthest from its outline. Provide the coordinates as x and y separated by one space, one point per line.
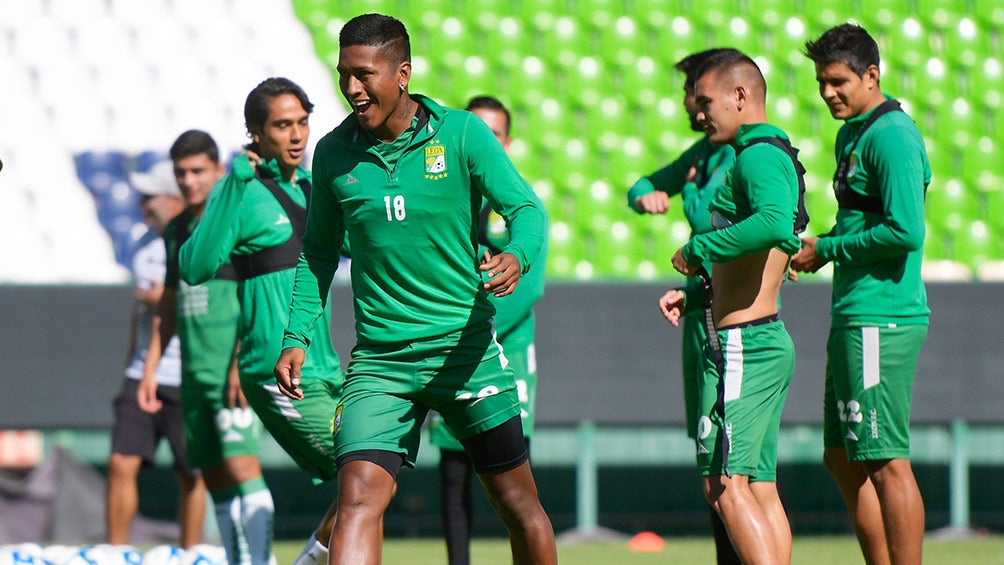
413 226
756 205
695 175
877 257
243 217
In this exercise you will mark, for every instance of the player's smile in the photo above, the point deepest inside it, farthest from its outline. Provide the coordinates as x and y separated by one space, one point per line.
375 88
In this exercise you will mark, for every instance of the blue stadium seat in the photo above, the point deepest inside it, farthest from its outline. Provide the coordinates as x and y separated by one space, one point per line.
100 170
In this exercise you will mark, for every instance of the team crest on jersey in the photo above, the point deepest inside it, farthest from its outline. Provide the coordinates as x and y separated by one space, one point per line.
435 161
336 422
853 166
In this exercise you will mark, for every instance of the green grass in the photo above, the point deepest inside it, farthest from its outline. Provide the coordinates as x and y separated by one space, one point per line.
808 550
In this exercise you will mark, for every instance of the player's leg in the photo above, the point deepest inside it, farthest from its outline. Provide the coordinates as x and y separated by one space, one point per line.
693 338
365 489
749 527
455 472
902 508
224 443
862 503
315 551
122 498
134 442
501 460
767 497
169 422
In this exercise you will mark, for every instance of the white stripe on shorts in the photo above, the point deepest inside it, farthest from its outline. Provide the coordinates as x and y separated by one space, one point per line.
285 405
733 364
870 356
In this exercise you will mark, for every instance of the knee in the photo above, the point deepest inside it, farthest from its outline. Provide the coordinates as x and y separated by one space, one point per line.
364 490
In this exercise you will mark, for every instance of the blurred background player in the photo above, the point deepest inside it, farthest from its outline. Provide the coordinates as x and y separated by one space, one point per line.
403 177
879 312
222 433
514 328
255 218
695 175
135 433
750 358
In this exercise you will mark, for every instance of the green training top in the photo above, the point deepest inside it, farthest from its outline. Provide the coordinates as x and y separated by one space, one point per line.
413 227
695 175
243 217
877 257
755 208
208 314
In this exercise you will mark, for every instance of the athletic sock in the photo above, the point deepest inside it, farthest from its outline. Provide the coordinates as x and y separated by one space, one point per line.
314 553
257 511
227 505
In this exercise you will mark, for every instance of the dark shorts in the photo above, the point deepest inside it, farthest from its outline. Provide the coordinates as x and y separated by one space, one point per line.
138 433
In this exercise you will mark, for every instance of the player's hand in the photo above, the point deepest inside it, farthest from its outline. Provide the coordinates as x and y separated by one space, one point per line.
287 372
253 158
235 396
652 203
806 260
146 395
503 274
671 305
681 264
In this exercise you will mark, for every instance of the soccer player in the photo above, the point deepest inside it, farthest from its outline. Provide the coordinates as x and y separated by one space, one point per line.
514 320
695 176
135 433
749 360
254 218
879 313
222 434
404 178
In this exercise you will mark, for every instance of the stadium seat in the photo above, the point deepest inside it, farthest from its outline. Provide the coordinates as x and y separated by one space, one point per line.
683 37
908 44
993 209
951 205
644 82
622 41
508 43
977 244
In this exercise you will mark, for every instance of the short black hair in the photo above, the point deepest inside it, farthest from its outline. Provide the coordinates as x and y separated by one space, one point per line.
847 43
194 142
689 64
485 102
728 59
378 30
256 106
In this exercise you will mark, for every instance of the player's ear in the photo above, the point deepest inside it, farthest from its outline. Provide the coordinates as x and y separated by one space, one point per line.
871 77
404 74
741 95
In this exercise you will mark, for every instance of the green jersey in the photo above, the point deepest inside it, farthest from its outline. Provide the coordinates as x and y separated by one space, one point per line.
877 255
413 221
695 176
756 207
208 314
243 217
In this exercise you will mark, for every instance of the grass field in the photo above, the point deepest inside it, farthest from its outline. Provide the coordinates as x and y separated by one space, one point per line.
806 550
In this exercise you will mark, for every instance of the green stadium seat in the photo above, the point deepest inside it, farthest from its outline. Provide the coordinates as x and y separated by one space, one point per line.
936 245
623 41
564 250
682 38
986 83
587 82
965 44
609 113
643 81
507 43
450 43
565 42
959 122
908 45
951 205
976 244
993 209
984 162
616 251
990 12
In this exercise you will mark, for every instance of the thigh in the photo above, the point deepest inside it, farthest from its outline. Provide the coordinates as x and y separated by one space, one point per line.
741 439
213 430
170 423
303 428
134 431
475 397
379 409
693 338
874 388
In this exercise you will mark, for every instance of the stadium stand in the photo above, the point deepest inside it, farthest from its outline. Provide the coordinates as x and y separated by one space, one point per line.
594 99
96 89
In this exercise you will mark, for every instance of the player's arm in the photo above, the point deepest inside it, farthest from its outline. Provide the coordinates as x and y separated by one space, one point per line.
650 194
516 307
495 176
771 201
322 245
213 240
898 164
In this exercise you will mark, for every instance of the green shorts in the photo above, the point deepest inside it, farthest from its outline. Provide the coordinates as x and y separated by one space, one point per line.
213 430
302 427
694 337
389 390
869 384
759 364
524 365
